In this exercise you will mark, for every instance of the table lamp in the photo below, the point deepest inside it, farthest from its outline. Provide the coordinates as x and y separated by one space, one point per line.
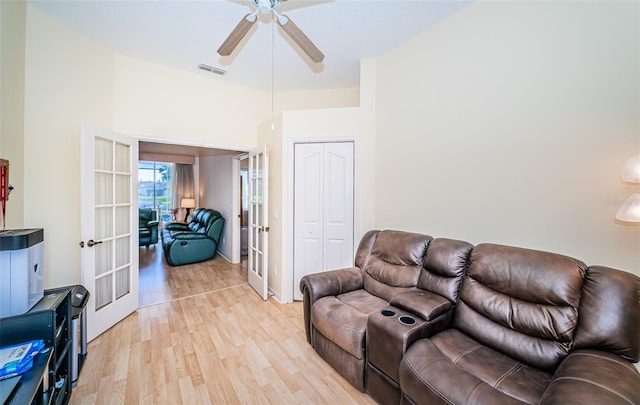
187 203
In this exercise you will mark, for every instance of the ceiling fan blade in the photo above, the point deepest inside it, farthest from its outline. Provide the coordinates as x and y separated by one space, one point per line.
236 36
302 40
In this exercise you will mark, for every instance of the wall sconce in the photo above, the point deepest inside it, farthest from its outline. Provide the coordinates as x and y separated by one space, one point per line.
629 211
187 203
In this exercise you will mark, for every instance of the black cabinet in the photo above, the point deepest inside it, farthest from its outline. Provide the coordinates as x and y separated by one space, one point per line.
50 321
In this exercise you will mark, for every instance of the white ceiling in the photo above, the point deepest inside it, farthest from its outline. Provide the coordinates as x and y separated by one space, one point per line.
185 33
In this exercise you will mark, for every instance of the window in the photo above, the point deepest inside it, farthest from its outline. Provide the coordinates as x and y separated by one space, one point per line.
154 188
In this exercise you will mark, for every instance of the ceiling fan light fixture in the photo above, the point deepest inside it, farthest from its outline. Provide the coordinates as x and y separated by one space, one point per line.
264 6
288 26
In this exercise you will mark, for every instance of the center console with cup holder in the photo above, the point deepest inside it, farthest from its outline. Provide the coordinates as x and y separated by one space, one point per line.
389 333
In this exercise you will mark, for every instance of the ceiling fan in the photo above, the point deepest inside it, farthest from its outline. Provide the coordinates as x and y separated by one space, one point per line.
266 7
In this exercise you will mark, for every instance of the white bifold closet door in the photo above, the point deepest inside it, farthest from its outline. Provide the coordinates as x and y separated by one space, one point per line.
323 208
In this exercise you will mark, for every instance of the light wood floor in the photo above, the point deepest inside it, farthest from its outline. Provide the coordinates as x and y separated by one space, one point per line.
160 282
209 340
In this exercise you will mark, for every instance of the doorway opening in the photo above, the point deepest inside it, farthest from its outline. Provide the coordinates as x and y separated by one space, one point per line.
211 168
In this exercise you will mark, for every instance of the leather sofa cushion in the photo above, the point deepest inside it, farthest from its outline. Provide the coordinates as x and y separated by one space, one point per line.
444 267
453 368
343 319
395 261
522 302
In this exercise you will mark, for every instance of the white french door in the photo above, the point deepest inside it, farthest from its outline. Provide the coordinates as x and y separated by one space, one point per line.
109 257
258 272
323 208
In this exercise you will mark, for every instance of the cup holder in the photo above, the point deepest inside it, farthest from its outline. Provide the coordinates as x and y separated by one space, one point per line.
388 312
407 320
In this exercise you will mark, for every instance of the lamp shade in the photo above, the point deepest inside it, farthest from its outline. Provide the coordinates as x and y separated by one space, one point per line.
631 170
629 211
188 203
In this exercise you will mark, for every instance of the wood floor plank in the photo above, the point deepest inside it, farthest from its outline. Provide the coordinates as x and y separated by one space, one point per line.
203 336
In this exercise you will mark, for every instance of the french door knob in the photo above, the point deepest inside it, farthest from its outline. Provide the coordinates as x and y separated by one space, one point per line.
91 243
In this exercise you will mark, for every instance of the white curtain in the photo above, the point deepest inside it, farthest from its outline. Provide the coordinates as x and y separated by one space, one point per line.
183 186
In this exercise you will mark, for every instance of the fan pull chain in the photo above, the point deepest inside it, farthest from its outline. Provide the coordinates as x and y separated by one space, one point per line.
272 71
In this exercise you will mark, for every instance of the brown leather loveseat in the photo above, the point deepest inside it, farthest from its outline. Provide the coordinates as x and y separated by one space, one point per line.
420 320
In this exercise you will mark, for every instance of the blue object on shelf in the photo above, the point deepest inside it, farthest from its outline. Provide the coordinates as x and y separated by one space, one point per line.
17 359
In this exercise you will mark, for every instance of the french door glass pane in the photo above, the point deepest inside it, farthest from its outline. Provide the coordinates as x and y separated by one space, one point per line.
122 158
104 154
122 251
103 291
104 223
122 189
257 261
104 188
104 257
122 221
123 282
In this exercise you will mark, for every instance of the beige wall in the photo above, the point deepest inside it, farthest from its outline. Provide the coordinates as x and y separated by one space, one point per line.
216 192
509 122
13 19
159 102
68 80
316 99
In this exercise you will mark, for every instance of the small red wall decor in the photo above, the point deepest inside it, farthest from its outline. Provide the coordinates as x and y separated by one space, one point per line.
4 189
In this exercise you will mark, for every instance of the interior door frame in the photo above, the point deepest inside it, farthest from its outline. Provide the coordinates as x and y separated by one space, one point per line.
288 237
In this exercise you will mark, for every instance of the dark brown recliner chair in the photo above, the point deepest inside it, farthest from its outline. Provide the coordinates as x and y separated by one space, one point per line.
388 268
338 303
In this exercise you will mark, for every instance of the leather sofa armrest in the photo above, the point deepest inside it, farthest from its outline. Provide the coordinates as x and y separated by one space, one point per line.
334 282
153 223
425 304
318 285
175 226
593 377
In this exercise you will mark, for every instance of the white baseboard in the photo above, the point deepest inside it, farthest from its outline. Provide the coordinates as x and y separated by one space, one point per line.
275 297
224 257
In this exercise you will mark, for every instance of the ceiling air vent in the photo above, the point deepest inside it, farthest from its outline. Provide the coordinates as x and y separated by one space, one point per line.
211 69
